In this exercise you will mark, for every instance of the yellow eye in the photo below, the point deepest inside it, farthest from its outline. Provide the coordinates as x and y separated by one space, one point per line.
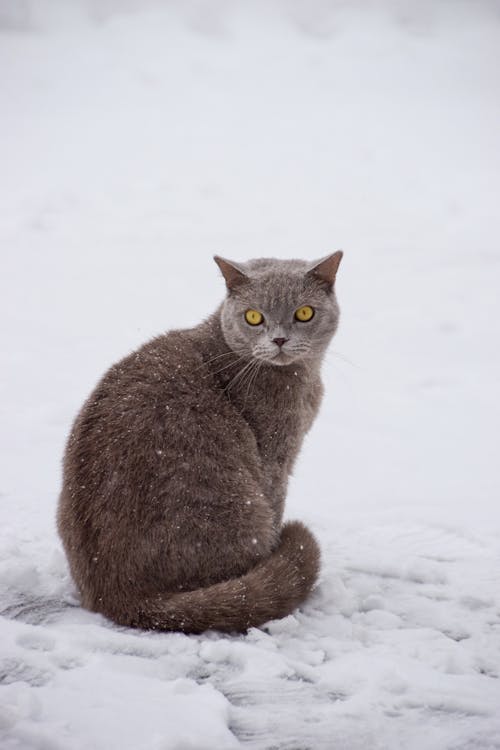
254 317
304 313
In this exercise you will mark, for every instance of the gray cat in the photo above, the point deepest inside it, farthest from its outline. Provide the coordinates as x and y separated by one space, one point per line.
176 468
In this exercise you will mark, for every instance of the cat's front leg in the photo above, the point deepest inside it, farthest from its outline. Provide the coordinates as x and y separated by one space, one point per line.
276 483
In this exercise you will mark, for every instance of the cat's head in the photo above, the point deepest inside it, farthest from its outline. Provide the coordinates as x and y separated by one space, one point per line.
280 311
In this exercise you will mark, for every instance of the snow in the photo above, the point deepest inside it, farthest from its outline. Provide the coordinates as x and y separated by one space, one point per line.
137 140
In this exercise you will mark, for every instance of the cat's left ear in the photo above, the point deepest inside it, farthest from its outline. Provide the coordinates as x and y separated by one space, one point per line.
325 270
232 272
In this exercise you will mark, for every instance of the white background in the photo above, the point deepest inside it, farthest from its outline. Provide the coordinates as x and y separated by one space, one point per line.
137 140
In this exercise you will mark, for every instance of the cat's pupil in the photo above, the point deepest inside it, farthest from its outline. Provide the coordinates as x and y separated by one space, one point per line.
254 317
304 313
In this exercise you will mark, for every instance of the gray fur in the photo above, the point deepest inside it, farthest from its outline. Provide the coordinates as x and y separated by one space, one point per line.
176 468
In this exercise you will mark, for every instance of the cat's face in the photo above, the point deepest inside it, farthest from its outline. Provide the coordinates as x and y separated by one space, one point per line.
280 311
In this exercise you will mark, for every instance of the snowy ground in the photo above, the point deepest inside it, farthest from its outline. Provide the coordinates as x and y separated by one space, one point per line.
137 139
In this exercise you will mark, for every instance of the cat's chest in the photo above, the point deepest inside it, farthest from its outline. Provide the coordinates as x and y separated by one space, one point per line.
280 413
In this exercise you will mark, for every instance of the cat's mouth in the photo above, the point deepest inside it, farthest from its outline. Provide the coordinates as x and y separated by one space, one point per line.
282 358
279 356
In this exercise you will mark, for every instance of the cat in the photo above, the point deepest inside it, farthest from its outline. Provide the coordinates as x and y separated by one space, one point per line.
176 468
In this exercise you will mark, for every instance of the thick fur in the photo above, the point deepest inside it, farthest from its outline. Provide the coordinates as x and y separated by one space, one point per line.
175 476
269 590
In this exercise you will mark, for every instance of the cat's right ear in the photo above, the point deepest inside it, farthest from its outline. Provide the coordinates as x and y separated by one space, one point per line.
232 272
325 270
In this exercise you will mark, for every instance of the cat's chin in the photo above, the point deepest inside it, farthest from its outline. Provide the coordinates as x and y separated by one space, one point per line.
282 359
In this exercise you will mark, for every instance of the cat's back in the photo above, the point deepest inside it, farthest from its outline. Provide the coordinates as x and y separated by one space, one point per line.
164 376
157 453
153 414
163 368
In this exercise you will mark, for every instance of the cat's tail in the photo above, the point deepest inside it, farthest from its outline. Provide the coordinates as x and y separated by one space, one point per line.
272 589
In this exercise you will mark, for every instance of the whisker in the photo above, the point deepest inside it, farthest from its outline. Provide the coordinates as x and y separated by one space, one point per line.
252 379
238 375
246 380
231 364
212 359
332 352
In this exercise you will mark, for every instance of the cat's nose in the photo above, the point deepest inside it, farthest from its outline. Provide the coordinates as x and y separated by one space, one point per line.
280 341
